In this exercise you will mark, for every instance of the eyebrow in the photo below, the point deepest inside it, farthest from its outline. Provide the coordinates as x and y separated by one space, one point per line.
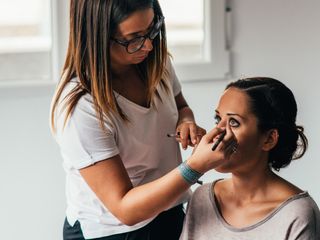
231 114
135 33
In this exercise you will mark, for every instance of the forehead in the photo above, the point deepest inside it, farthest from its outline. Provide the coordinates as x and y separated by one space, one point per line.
138 21
235 101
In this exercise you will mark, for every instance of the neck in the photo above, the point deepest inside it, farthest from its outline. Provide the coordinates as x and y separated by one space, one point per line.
251 186
121 70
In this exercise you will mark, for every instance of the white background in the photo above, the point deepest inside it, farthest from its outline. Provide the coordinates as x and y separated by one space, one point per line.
273 38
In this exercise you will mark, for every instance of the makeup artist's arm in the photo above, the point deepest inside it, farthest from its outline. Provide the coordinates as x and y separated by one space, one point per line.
110 182
186 125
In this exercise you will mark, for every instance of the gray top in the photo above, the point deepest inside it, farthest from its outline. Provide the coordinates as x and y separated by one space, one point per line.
298 218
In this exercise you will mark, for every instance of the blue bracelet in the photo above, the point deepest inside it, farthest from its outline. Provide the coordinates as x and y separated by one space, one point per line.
190 175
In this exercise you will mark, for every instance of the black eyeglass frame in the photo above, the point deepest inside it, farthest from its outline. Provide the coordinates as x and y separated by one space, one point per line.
157 26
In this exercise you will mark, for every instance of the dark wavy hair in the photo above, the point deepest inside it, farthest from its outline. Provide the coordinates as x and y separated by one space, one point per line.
275 107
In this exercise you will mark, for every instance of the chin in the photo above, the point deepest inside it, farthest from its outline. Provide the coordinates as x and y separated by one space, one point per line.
222 170
138 60
225 168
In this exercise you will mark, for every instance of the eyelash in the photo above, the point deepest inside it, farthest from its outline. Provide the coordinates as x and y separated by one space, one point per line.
217 119
237 124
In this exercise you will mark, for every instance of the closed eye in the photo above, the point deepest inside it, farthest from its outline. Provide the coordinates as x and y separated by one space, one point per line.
140 34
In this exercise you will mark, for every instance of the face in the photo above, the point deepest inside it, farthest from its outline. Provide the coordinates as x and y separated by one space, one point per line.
137 24
234 109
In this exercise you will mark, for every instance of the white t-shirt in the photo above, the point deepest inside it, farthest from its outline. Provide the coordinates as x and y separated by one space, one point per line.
147 153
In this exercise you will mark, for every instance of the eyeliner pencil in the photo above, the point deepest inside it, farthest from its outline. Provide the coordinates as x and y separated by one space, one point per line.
177 135
216 143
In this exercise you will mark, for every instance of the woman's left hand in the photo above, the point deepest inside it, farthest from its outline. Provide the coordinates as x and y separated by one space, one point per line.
190 133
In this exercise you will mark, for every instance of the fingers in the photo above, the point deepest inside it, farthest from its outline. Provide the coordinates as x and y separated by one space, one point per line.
222 139
211 159
193 133
189 134
229 143
184 136
208 138
218 140
197 135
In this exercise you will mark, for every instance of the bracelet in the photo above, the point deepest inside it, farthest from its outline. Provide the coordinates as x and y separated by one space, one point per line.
190 175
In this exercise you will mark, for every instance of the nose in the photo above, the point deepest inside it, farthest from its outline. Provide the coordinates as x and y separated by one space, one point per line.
147 46
222 124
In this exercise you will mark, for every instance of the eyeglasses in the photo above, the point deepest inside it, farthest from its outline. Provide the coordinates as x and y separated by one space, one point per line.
136 43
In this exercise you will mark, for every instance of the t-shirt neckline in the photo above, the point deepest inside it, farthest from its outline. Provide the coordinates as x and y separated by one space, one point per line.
254 225
135 105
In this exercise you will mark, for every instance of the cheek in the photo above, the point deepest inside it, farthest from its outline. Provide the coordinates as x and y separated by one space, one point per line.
248 144
118 53
248 147
237 160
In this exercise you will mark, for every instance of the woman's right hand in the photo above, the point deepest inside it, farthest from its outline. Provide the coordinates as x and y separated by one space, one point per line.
204 159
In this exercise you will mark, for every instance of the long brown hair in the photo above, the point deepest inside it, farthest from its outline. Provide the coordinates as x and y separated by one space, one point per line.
92 24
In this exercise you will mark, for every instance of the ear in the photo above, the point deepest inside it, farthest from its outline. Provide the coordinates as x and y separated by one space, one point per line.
271 139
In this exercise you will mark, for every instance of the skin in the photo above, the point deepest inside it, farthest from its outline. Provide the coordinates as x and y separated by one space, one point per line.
253 190
135 25
108 178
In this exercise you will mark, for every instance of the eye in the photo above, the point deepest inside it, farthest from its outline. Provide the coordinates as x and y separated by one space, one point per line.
217 119
233 122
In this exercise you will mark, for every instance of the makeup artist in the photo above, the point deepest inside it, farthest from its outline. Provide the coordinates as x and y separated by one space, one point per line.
117 100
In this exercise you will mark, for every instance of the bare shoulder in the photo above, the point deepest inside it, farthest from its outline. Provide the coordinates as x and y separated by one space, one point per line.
221 189
283 189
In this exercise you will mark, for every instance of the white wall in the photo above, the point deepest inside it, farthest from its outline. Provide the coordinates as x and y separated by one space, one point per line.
280 39
273 38
31 177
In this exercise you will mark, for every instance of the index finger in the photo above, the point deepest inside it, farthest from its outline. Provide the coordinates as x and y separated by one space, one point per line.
193 133
212 134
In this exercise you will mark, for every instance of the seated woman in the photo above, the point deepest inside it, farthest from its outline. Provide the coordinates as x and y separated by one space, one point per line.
255 203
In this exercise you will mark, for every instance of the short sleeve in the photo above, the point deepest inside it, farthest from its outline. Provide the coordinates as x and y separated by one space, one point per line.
82 141
176 86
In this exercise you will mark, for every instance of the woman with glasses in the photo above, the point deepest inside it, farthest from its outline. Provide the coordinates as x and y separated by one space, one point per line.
117 100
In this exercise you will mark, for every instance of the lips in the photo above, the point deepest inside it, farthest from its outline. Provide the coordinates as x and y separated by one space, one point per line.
143 56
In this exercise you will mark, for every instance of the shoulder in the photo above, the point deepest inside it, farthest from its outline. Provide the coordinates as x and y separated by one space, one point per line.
200 204
168 64
83 121
68 92
302 209
171 77
203 190
304 204
84 109
202 195
302 214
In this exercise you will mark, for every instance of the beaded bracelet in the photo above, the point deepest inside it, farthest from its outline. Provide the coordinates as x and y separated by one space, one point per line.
190 175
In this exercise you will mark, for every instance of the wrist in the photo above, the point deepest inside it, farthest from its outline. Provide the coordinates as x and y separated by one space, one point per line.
186 120
186 115
190 175
199 167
